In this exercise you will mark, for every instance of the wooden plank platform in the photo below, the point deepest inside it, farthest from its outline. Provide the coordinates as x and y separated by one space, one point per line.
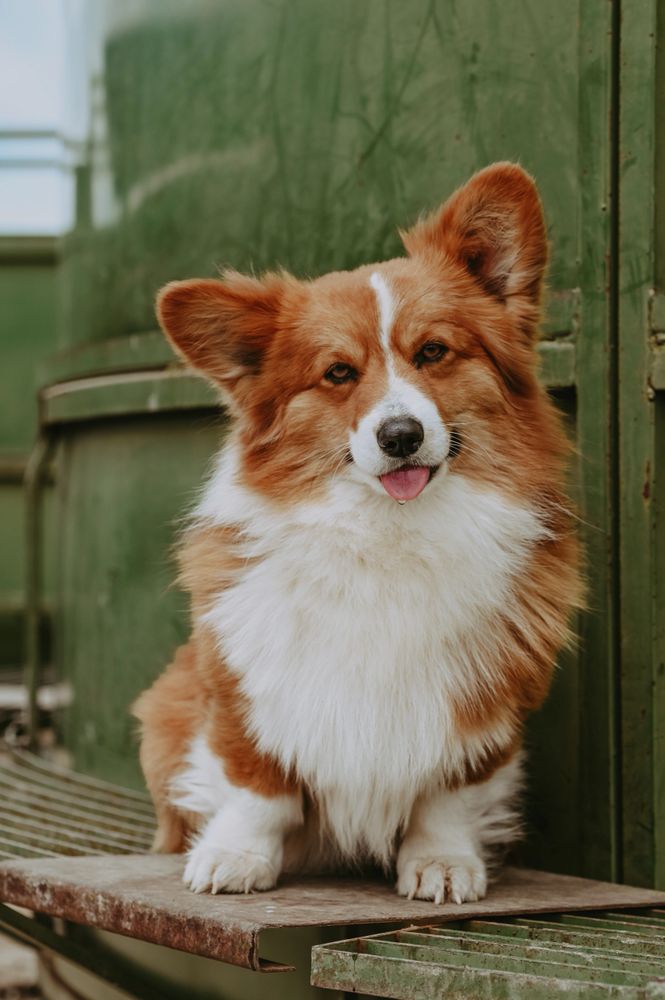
142 896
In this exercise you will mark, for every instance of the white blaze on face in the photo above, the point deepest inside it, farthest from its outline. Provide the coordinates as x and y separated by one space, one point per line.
402 399
386 305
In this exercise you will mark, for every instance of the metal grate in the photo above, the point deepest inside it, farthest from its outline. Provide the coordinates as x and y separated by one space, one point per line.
579 956
48 811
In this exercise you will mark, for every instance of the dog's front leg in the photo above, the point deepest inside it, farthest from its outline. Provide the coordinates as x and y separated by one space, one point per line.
242 846
439 857
442 854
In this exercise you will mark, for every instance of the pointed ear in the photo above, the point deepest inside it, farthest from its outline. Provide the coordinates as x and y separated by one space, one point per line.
222 328
494 228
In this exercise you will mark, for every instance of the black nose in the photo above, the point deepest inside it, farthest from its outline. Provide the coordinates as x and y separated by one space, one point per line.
400 436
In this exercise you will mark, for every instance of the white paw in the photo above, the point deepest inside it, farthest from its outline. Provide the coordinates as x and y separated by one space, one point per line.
457 879
216 870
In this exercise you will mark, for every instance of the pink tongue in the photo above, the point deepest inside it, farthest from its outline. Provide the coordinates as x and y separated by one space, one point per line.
406 484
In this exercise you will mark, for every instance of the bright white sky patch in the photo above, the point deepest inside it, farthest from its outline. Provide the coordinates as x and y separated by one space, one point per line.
35 188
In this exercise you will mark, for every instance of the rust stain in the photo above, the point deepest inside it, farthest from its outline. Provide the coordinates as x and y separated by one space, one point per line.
646 488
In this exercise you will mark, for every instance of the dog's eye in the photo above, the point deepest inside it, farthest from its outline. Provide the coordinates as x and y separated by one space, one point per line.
340 372
429 353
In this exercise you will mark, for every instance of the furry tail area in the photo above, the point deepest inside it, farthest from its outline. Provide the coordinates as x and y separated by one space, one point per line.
170 713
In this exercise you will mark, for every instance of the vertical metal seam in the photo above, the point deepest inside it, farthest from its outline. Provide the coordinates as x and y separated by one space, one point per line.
33 484
614 460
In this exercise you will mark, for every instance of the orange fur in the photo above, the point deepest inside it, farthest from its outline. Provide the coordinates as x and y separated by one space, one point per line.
170 712
226 729
198 694
493 758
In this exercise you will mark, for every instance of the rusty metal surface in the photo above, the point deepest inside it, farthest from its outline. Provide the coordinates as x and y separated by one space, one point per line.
143 897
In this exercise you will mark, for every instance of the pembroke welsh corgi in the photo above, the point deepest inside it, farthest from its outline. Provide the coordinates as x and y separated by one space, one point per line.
382 565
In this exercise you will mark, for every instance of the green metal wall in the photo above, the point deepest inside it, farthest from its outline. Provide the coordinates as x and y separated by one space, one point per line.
28 310
302 133
246 132
641 435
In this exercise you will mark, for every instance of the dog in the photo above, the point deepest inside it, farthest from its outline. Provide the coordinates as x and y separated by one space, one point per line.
382 566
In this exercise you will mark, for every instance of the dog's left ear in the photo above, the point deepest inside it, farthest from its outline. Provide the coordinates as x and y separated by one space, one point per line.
494 228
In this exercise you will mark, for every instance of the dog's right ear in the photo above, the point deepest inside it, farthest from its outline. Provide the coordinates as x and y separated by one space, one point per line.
222 327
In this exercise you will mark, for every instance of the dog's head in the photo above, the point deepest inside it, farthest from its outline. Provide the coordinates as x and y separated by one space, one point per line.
394 372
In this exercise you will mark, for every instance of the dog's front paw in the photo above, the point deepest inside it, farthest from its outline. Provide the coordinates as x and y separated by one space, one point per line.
217 870
458 879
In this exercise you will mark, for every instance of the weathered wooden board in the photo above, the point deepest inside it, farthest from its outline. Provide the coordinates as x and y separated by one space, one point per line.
143 897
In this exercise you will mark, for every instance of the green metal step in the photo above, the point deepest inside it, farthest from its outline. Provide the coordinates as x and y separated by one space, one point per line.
579 956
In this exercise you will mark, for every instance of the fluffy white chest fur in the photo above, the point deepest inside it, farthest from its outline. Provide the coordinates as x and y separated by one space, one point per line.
353 625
